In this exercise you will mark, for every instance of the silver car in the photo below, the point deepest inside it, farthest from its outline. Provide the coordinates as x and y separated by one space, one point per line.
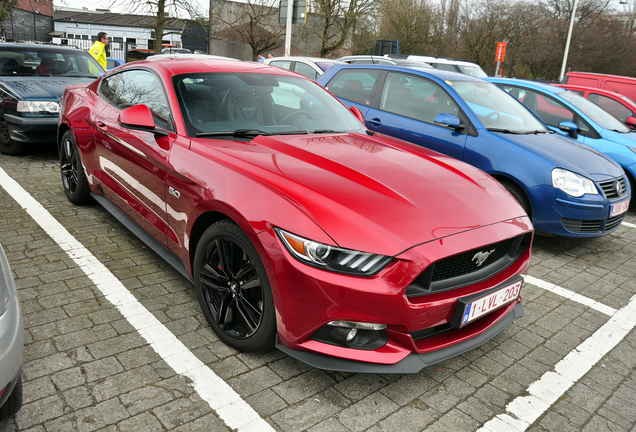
11 343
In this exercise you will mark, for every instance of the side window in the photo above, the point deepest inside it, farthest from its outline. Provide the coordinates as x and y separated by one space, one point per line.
142 87
614 108
285 64
447 67
355 84
110 64
108 88
306 70
550 111
415 97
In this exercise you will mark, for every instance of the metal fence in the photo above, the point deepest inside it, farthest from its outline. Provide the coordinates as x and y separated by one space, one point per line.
115 49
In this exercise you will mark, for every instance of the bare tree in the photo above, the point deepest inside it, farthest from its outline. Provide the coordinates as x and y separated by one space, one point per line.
254 23
408 21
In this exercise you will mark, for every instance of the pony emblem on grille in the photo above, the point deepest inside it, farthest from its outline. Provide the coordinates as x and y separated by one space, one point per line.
480 257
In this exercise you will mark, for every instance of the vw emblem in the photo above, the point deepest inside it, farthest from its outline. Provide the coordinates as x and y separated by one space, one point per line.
480 257
620 188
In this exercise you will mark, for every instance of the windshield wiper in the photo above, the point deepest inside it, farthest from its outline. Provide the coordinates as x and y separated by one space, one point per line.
538 131
322 131
506 131
241 133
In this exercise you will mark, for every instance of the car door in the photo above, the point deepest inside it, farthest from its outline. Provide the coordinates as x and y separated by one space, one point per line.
406 109
133 163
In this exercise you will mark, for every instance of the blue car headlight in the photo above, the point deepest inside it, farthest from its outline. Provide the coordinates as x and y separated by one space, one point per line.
572 184
332 258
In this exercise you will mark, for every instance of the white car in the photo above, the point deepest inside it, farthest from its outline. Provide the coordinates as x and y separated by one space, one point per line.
311 67
460 66
11 343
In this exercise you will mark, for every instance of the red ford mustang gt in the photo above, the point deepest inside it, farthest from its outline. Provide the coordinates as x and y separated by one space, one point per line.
300 228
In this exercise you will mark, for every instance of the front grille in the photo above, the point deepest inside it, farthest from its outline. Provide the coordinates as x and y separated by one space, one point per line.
614 188
581 226
613 222
468 267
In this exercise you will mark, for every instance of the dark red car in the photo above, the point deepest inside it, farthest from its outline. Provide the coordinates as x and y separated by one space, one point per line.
300 228
618 105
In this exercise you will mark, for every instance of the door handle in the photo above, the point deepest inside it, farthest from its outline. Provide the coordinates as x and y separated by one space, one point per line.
102 126
375 122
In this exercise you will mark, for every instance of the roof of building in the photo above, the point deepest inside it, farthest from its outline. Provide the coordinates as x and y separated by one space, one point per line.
111 18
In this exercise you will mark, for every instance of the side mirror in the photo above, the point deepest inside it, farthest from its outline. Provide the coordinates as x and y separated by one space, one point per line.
571 128
631 122
139 117
356 112
447 120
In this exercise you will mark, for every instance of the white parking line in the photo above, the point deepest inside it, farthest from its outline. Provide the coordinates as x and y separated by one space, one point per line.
631 225
229 406
607 310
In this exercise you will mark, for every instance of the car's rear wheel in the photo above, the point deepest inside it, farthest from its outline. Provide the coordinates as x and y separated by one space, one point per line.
7 145
73 178
233 289
519 195
13 403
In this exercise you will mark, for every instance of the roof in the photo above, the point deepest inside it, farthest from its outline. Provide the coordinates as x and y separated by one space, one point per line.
112 19
38 46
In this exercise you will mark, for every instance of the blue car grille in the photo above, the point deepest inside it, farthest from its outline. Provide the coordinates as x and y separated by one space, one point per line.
468 267
614 188
591 226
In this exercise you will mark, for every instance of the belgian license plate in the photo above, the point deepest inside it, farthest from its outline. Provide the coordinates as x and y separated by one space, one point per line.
476 308
619 208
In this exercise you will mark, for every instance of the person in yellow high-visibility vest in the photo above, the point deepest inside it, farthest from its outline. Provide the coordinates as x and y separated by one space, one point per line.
98 51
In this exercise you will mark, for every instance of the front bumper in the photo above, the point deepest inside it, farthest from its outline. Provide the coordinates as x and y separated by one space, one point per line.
11 335
33 130
307 299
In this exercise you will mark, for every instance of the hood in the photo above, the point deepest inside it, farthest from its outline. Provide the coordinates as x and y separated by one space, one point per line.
568 154
371 193
628 139
40 87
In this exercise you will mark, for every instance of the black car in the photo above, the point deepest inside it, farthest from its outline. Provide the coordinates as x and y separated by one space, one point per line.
32 80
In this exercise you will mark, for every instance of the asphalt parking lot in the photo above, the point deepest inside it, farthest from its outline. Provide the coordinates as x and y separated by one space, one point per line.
567 365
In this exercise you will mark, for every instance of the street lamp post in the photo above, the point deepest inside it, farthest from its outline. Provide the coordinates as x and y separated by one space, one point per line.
567 42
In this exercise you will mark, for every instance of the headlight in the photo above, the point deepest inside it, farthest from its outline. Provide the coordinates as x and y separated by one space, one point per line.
38 106
332 258
572 184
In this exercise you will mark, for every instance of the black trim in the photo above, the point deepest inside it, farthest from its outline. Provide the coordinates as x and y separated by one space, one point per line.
153 244
10 387
412 363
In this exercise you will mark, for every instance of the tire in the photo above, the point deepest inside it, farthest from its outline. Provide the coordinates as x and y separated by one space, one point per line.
519 195
74 180
233 289
7 145
13 404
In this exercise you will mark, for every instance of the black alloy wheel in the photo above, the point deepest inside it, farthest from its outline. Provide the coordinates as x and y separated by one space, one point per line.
233 288
74 180
7 145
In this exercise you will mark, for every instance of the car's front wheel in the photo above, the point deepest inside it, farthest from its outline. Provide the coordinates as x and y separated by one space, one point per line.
7 145
233 288
519 195
74 180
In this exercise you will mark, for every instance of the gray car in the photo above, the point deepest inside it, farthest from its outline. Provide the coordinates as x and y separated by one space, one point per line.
11 343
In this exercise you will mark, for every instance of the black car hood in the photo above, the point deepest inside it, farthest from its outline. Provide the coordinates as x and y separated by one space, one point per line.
32 87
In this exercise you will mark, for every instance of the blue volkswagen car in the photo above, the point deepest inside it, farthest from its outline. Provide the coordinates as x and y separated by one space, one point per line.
569 113
567 188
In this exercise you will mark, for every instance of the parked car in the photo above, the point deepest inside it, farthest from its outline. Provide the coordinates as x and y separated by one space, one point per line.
311 67
570 114
381 60
353 251
112 63
175 50
32 80
615 83
11 343
566 187
468 68
618 105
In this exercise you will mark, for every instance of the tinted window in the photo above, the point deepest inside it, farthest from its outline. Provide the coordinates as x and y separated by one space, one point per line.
285 64
142 87
446 67
34 61
415 97
354 85
616 109
306 70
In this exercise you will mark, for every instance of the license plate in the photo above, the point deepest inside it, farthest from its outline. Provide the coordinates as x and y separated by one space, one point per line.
619 208
469 309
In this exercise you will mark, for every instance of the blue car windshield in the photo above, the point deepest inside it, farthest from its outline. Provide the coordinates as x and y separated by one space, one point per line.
496 109
594 112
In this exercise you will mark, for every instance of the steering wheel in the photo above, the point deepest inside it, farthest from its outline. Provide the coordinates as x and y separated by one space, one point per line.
296 114
492 115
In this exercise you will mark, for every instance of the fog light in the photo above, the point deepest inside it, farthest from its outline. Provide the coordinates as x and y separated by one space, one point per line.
357 325
351 334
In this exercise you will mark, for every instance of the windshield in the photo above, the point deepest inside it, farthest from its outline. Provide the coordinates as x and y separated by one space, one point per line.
471 70
594 112
497 110
261 104
24 61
